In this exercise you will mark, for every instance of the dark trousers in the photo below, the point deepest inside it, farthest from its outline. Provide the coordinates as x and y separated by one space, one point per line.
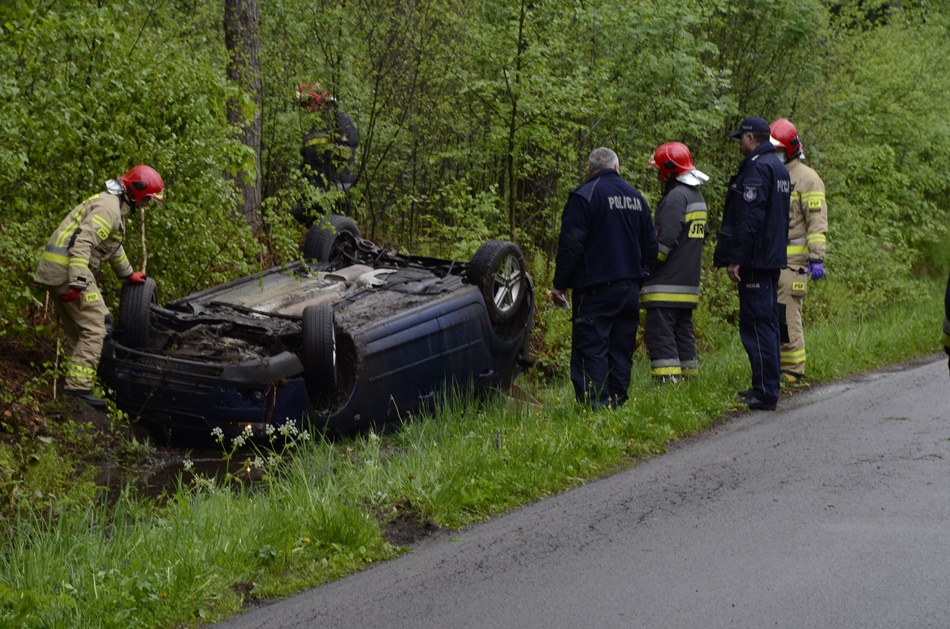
759 329
604 336
671 341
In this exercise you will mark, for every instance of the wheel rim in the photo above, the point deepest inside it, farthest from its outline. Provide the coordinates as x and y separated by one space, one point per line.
506 284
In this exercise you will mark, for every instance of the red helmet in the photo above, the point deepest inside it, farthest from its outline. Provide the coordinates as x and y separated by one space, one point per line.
143 182
785 136
672 159
312 95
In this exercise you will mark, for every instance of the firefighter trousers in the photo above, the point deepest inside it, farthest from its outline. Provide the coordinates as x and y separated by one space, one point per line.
671 341
792 287
84 324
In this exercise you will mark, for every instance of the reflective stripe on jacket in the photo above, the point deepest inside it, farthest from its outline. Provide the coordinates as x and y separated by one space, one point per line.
92 232
807 215
681 230
330 150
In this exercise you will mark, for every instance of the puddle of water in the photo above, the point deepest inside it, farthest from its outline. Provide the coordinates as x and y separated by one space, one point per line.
160 477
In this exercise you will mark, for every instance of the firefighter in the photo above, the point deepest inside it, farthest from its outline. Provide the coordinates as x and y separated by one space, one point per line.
91 233
807 229
945 334
671 292
329 148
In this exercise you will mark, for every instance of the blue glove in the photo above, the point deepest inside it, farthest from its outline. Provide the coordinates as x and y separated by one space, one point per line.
816 269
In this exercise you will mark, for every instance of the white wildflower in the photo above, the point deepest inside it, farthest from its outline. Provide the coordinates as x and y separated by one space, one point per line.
205 483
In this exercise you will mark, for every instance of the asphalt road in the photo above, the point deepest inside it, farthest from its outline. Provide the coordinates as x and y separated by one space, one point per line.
833 511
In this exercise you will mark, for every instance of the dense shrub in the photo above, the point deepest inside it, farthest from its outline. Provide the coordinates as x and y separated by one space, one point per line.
475 123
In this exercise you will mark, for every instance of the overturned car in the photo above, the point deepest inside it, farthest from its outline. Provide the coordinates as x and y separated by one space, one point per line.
352 337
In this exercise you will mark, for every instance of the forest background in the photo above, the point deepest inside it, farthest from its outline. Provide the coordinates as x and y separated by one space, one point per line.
476 118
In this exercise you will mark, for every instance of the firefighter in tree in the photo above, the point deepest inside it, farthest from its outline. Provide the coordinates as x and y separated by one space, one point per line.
807 231
329 148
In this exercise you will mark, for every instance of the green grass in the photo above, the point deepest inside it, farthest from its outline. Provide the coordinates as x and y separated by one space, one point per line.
320 512
140 565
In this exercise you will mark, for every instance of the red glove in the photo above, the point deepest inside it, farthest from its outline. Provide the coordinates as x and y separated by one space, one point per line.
71 295
138 277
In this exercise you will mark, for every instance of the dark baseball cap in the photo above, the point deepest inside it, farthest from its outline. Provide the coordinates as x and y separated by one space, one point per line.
752 124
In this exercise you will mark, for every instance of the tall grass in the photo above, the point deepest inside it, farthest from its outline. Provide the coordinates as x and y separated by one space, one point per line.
322 512
136 564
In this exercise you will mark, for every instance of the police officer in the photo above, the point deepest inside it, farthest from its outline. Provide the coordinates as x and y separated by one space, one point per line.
671 292
945 334
92 232
606 245
807 229
329 147
751 246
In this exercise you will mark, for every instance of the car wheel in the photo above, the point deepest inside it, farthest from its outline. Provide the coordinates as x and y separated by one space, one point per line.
321 242
135 312
319 349
498 269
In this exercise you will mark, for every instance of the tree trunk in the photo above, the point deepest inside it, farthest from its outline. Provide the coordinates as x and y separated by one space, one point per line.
515 94
242 38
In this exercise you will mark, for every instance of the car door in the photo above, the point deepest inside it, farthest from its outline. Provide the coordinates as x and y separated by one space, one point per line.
400 365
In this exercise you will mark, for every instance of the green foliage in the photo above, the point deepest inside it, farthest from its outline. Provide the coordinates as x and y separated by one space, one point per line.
42 478
133 564
317 510
89 96
476 119
465 222
475 122
886 184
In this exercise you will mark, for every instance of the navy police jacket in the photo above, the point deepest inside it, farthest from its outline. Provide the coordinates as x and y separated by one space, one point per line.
754 229
945 332
606 235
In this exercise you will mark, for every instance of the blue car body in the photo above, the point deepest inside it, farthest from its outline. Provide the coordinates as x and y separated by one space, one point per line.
404 329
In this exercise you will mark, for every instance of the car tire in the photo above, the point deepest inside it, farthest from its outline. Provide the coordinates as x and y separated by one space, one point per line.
135 312
319 349
499 271
321 241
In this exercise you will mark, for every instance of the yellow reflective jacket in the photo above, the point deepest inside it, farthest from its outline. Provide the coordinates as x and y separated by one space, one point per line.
91 233
807 215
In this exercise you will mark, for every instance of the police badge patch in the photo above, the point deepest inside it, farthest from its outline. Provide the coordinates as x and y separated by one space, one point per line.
749 194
